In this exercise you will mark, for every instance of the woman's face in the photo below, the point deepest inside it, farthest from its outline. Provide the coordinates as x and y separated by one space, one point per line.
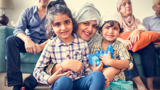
126 8
87 29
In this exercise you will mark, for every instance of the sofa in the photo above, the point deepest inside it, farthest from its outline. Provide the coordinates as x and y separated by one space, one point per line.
28 60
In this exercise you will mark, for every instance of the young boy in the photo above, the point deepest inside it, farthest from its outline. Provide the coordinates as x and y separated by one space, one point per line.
110 29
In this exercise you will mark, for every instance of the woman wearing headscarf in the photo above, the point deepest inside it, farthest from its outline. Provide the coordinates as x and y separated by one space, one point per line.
148 55
88 18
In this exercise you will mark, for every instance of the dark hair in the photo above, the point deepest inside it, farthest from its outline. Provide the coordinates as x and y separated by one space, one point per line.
55 7
111 22
53 3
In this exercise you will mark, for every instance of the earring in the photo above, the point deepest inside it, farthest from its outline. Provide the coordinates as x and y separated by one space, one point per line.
49 25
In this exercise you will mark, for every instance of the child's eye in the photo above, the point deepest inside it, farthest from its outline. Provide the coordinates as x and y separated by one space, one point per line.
115 28
67 22
107 27
56 24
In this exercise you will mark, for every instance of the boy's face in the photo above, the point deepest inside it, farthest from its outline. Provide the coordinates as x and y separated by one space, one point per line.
63 27
109 33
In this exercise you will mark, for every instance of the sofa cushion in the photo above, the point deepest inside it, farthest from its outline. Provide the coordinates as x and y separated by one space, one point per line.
137 58
28 57
145 39
2 48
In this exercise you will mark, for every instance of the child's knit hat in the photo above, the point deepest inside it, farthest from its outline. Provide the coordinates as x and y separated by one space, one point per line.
111 16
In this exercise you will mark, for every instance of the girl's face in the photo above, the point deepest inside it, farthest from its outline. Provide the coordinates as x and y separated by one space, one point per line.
110 34
63 27
43 3
86 30
126 7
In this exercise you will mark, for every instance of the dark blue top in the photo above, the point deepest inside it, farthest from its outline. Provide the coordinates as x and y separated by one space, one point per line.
31 24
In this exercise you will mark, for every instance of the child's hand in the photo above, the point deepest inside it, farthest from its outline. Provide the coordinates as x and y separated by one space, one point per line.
60 73
76 66
107 60
98 68
57 75
107 82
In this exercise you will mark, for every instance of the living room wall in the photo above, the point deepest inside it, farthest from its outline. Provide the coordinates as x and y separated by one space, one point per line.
141 8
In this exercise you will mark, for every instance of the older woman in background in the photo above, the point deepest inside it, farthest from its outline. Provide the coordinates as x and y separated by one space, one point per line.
148 55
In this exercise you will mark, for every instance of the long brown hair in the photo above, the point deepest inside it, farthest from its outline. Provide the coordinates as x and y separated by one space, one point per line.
53 8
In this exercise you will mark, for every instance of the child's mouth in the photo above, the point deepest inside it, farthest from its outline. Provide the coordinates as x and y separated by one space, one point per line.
64 33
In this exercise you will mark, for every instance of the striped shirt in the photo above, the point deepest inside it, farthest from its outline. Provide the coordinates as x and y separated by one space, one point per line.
56 51
119 53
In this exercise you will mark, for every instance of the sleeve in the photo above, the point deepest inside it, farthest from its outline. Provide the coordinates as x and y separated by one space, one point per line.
85 60
145 23
41 64
21 25
124 55
48 69
92 50
123 52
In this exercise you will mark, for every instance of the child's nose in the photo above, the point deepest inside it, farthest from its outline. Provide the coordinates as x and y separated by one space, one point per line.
110 30
63 27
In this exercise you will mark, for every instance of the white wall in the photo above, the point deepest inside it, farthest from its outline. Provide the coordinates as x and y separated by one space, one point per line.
141 8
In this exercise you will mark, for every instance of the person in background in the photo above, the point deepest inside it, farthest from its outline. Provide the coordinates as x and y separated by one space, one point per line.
32 40
148 54
152 23
65 45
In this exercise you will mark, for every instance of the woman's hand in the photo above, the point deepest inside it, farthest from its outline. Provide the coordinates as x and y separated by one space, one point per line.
57 75
97 68
128 44
134 36
73 65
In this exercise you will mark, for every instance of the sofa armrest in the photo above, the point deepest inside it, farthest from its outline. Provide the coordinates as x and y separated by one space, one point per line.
4 33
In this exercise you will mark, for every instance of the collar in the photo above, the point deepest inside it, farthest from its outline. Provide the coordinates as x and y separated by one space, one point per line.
60 43
35 9
113 44
154 16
